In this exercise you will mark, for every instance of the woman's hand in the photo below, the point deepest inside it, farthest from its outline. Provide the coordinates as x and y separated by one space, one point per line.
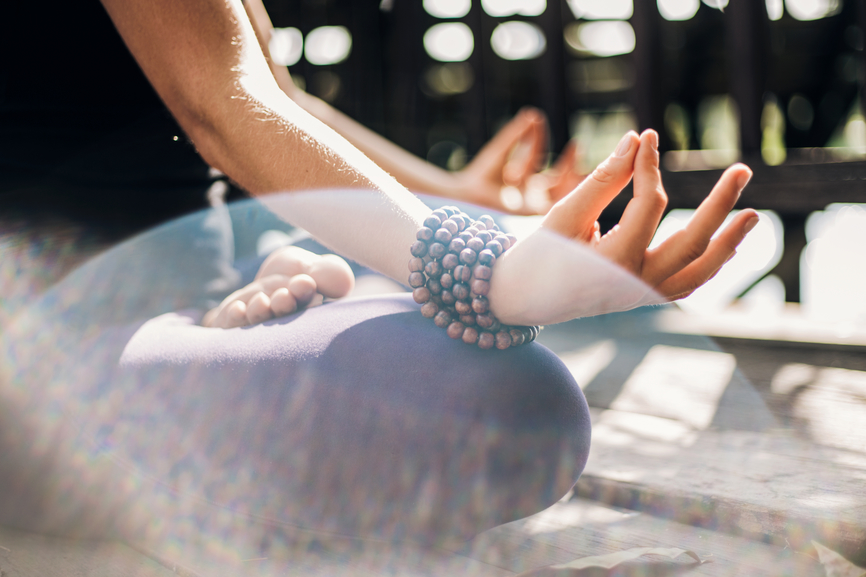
505 174
572 279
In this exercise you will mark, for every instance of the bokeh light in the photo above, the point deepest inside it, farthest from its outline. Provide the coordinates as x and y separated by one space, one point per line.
678 9
447 8
328 45
833 275
811 9
602 9
286 46
604 38
449 78
449 42
518 40
775 9
800 112
500 8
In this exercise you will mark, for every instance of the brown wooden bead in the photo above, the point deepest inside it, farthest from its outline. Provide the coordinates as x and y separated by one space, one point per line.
467 320
432 222
470 335
416 264
443 216
494 247
484 236
421 295
446 280
496 326
417 279
480 305
486 340
451 227
466 275
480 287
450 260
424 234
517 337
460 221
487 258
448 298
437 250
468 256
503 241
429 309
418 248
434 269
449 210
455 330
434 286
465 236
463 307
460 291
512 238
457 244
487 220
482 272
443 235
473 230
442 319
475 244
503 340
484 321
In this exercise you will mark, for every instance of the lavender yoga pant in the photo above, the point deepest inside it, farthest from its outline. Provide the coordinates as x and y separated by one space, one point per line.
357 417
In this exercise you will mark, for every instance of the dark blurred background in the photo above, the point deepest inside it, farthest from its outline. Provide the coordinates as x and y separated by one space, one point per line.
778 84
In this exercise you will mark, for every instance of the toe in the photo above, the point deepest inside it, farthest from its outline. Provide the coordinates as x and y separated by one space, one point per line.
283 302
333 276
259 308
303 288
233 315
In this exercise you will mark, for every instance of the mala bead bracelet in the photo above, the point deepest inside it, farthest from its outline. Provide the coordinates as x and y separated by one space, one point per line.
450 270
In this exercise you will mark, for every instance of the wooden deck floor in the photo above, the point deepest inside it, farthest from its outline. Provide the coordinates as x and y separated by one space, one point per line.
743 450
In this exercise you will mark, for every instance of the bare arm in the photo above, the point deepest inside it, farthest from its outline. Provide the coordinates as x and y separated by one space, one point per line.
203 59
480 182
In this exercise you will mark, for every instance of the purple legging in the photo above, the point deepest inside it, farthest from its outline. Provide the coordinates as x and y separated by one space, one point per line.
358 417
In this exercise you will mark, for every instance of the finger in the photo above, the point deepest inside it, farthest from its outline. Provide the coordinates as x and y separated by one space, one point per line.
565 174
495 152
258 308
643 212
528 150
575 215
687 245
303 288
283 303
719 251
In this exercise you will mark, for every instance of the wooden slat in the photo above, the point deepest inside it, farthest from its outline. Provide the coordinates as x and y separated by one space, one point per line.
788 189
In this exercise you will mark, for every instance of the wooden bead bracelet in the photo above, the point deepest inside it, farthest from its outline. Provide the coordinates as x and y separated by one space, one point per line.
450 270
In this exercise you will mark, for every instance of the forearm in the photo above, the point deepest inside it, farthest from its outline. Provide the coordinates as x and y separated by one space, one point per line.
412 172
203 59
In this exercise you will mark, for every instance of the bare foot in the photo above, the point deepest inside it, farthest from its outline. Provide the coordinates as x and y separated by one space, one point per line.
290 278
